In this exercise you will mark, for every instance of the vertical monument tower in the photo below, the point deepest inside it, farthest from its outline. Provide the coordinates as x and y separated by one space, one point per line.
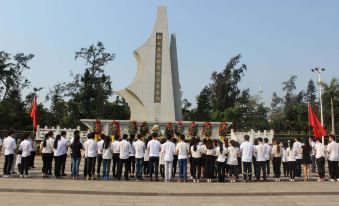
154 94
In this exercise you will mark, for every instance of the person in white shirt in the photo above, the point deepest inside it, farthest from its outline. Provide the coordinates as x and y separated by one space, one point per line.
99 153
9 146
221 152
139 148
161 160
132 156
268 149
320 159
115 158
25 148
246 150
154 147
209 151
168 149
51 138
91 148
261 153
233 153
64 149
284 160
18 161
333 158
182 150
107 154
125 149
46 148
146 157
58 152
196 152
312 143
33 151
276 153
292 153
297 146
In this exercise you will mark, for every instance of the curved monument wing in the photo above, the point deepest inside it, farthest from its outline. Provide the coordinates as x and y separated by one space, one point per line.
153 95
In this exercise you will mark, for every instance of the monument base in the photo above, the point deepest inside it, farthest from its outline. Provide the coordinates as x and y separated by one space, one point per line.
107 125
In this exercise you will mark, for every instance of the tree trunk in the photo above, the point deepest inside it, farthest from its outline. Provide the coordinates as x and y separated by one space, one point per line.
332 116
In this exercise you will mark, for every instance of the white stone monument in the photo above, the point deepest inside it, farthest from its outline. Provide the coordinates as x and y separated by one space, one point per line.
154 94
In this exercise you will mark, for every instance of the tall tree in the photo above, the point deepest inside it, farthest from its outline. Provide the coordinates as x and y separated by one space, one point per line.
289 87
310 95
204 106
331 92
224 85
11 73
90 91
12 82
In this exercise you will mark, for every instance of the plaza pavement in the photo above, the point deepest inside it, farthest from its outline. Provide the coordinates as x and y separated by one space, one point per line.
37 191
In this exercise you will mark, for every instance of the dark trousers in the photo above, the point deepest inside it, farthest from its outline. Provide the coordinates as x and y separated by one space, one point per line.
247 170
333 169
50 164
91 166
261 167
123 162
46 161
255 166
292 165
276 166
19 168
233 170
153 165
239 166
139 163
321 166
314 165
221 171
162 171
191 168
85 167
99 163
209 166
25 161
31 159
115 165
175 162
57 166
146 168
8 164
196 168
132 165
298 171
63 163
286 169
268 167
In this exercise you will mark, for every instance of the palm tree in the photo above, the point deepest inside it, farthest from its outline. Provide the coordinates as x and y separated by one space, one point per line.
331 91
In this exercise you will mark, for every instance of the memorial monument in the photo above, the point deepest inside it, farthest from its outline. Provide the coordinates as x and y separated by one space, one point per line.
154 94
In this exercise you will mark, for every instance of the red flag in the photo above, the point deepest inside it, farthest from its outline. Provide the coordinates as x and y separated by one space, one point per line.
318 130
33 114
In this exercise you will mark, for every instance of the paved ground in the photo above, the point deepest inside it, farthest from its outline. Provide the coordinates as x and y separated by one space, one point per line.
38 191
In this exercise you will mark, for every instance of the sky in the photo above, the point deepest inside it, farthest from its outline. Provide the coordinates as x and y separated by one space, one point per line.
276 39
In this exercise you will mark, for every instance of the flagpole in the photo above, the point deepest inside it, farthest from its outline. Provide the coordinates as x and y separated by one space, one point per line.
318 71
308 120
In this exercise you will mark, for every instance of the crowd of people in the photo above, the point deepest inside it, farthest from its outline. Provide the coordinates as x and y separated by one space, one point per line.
135 156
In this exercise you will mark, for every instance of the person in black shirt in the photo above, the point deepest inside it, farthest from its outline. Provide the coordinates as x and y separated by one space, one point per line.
76 148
